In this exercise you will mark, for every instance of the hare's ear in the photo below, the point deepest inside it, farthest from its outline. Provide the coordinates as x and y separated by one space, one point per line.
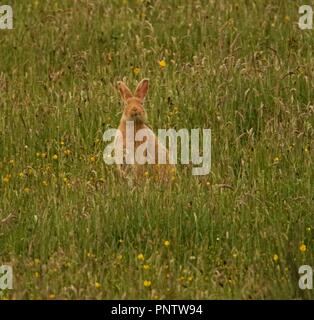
141 89
124 91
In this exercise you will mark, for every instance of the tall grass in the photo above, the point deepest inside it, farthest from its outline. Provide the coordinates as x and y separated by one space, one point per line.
72 230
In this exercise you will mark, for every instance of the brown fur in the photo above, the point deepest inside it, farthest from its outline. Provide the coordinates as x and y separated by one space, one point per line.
134 111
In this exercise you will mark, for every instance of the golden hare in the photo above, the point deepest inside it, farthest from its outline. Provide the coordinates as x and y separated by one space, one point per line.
140 156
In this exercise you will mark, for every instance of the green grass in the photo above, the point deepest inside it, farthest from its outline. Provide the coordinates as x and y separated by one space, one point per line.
72 230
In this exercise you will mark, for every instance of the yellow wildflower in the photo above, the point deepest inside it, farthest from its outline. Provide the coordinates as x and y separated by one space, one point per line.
67 152
302 247
275 257
162 64
166 243
90 255
97 285
147 283
6 179
136 70
140 257
276 159
55 157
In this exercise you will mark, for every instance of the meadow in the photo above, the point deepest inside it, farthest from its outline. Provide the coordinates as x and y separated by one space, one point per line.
72 230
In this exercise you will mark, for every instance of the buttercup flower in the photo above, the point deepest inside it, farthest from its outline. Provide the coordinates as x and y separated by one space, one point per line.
136 70
6 179
147 283
140 257
162 64
166 243
275 257
302 247
92 158
67 152
276 160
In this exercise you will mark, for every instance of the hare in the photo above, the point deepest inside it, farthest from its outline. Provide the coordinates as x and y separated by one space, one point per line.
134 116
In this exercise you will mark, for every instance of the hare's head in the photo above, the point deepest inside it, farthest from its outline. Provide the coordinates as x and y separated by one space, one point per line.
133 104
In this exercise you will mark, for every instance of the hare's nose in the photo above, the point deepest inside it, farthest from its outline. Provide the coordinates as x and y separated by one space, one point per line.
134 109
